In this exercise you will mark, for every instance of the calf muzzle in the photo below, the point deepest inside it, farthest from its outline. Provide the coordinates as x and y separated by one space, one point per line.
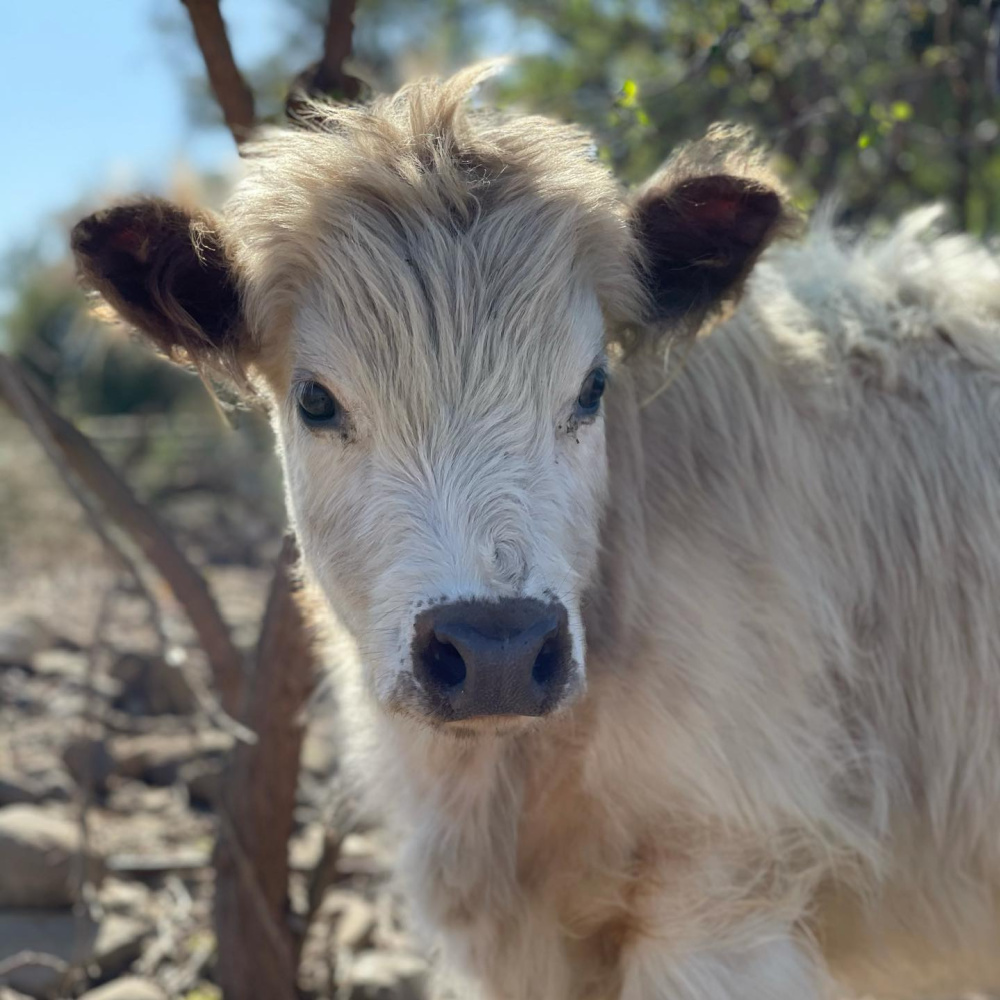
492 658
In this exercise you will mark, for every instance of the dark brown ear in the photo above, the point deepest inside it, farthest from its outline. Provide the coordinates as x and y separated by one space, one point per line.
165 270
702 222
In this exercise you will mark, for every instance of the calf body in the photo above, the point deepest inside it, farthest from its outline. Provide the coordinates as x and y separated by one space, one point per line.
691 692
787 765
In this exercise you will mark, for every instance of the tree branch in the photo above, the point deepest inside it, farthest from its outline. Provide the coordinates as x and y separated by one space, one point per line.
336 48
232 93
257 954
327 78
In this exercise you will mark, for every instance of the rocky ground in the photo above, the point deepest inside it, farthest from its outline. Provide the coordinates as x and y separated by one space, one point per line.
110 759
106 831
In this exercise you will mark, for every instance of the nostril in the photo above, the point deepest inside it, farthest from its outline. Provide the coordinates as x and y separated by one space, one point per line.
443 664
547 663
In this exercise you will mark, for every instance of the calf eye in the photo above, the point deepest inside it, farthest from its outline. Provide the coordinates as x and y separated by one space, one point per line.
591 392
317 405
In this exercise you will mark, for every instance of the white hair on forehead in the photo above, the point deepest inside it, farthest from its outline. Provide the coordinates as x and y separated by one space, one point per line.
374 200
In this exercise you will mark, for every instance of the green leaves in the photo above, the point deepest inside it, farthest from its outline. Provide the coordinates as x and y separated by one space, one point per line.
901 111
863 97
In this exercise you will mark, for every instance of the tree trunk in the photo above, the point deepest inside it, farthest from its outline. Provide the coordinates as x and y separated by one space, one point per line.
256 949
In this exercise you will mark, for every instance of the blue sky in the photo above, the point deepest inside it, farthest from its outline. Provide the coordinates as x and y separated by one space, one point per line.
92 99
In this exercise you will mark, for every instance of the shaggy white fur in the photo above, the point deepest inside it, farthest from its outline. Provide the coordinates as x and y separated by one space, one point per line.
785 774
776 771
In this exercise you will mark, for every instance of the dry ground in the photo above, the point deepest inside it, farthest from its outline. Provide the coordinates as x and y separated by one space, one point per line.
121 742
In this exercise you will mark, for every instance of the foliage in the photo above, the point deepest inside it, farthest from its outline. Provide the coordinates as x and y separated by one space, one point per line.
885 103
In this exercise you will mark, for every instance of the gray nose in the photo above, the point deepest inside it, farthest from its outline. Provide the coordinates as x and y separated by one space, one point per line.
479 658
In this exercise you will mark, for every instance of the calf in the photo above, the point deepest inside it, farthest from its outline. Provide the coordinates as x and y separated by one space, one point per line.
677 680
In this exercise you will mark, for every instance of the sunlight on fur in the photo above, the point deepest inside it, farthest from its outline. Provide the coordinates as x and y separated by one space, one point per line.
769 766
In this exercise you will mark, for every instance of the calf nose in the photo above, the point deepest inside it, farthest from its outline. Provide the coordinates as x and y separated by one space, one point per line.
477 658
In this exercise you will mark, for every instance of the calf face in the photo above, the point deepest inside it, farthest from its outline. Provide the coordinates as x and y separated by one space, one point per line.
431 302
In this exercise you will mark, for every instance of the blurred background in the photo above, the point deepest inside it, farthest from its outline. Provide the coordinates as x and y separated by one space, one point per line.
880 105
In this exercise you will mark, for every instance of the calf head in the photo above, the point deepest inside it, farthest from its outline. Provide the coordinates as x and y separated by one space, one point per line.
432 301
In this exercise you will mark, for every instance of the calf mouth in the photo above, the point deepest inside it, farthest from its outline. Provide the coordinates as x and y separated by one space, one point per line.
409 701
490 726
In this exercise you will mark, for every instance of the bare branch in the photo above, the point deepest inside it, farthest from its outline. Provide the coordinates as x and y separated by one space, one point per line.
232 93
336 48
256 950
327 78
82 465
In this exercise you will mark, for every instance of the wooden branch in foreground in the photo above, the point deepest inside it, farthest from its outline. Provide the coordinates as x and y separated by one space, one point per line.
232 93
145 529
337 39
257 955
327 77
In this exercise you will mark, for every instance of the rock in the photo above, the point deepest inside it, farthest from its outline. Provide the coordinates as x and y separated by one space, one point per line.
127 988
67 942
320 752
362 854
386 975
356 920
37 974
118 943
389 933
21 789
69 668
38 853
144 865
305 848
204 781
90 763
18 694
63 664
137 799
16 789
151 686
124 896
158 757
21 640
155 758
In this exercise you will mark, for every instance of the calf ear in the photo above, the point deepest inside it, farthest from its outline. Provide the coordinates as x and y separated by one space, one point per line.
701 222
165 271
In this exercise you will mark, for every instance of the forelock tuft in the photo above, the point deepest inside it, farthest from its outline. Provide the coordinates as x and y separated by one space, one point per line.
421 157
